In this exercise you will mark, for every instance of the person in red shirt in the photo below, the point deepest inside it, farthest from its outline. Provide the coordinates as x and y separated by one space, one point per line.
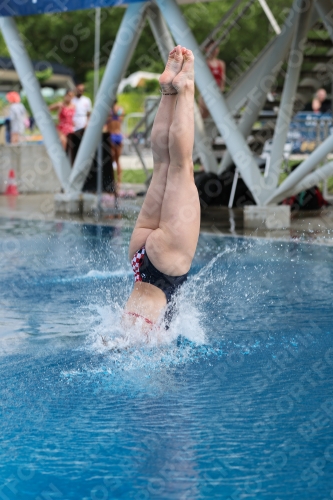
218 70
65 117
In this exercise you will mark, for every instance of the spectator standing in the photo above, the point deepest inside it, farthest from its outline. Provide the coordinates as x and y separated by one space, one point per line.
216 65
66 114
18 117
82 105
218 70
320 103
114 128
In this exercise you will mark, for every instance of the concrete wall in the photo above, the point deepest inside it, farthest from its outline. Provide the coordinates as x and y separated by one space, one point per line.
33 168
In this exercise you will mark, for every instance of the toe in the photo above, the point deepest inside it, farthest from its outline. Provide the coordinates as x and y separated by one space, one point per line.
179 51
189 56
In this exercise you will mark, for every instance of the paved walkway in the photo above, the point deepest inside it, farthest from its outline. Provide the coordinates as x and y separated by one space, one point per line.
306 226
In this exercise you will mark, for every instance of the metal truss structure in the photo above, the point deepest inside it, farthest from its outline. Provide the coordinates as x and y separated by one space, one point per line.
249 94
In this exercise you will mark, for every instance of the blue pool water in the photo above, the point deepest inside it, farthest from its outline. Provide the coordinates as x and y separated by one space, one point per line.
238 402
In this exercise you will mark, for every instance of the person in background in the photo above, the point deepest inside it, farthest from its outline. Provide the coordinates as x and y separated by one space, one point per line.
216 65
218 70
320 103
82 105
114 128
18 117
32 123
66 110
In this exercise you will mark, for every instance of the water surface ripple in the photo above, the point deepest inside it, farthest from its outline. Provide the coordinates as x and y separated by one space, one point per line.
237 403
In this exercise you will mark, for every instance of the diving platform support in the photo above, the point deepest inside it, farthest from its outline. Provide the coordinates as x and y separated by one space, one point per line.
288 95
165 44
168 23
121 54
271 61
324 9
214 100
25 70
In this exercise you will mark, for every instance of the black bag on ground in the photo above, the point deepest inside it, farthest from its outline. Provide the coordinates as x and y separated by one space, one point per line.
215 190
310 199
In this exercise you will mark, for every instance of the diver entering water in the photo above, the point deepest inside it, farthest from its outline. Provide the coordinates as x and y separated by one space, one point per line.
166 232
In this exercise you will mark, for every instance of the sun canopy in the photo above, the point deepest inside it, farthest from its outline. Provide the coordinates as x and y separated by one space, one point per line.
29 7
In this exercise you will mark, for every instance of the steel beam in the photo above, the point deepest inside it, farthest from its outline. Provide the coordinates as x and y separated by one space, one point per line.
266 77
237 96
215 101
289 92
122 51
271 62
219 25
249 116
162 35
325 11
270 16
309 181
315 178
232 24
31 86
288 185
165 44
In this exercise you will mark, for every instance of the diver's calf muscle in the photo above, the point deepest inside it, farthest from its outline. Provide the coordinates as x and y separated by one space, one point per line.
166 233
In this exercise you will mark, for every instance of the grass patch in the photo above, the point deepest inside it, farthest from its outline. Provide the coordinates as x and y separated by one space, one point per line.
135 176
139 176
330 185
132 102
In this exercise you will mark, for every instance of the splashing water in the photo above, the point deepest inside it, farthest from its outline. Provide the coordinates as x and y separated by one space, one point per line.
222 405
108 333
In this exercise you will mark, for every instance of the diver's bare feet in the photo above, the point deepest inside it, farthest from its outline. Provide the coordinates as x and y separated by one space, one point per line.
172 68
185 78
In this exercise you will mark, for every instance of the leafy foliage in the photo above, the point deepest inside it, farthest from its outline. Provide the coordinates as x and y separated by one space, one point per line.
68 38
132 102
44 75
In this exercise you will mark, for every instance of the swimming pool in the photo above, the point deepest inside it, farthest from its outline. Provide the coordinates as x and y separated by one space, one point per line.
238 403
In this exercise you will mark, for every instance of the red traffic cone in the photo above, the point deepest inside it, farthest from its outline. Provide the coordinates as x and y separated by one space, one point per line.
11 188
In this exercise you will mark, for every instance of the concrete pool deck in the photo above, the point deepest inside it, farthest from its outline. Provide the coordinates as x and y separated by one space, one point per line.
315 226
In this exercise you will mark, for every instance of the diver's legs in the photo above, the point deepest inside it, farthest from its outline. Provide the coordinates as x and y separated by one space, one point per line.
149 217
172 246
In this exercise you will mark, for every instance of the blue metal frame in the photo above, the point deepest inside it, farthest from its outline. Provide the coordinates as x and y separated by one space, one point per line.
11 8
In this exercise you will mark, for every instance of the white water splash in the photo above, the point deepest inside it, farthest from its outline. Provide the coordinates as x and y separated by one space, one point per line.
108 333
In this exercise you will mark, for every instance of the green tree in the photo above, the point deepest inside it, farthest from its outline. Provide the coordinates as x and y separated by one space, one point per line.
68 38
